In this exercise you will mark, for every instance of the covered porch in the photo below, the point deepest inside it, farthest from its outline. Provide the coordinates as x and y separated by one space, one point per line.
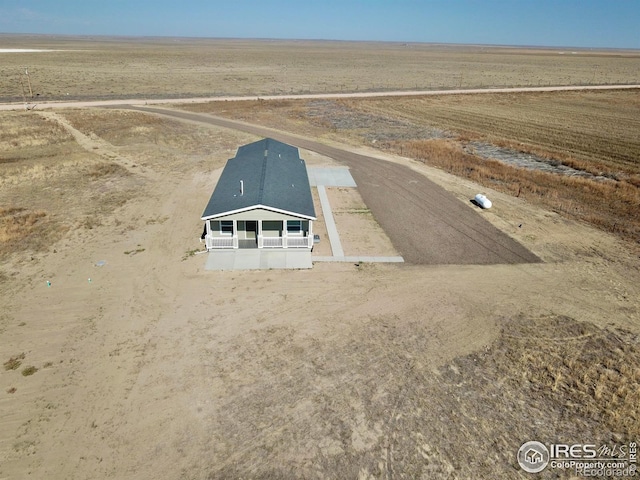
244 233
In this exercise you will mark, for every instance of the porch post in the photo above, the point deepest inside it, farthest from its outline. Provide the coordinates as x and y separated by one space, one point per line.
207 237
310 234
260 241
284 234
235 233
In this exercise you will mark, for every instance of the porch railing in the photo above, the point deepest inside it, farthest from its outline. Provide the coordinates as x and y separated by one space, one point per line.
286 242
219 242
298 242
264 242
272 242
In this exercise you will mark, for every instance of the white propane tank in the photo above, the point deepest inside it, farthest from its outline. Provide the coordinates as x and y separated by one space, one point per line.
483 201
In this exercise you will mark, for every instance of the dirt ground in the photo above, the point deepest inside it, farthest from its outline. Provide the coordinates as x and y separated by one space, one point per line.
105 68
150 367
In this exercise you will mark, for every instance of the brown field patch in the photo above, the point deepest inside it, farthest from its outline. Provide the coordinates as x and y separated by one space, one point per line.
15 223
610 205
572 377
596 131
137 134
51 185
107 68
384 408
25 137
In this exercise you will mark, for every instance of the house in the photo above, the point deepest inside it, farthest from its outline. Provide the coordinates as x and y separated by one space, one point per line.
262 200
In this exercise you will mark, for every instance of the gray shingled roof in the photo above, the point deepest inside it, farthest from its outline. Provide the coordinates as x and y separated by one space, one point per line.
274 177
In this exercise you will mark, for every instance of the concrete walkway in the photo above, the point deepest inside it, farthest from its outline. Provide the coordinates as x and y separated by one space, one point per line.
359 259
332 231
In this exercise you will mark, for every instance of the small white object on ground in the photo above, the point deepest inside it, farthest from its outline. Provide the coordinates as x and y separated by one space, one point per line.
483 201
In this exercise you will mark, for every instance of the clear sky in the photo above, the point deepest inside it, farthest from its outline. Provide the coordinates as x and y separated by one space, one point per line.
577 23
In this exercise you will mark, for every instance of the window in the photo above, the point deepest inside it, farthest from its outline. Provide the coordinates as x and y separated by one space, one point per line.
226 227
294 227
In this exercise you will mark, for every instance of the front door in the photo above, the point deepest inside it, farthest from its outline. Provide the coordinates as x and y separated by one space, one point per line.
251 233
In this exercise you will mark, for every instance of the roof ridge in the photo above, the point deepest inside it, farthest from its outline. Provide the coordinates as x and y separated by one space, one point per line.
263 175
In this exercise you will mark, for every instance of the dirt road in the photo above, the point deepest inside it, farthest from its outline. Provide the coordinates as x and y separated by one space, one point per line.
404 93
426 224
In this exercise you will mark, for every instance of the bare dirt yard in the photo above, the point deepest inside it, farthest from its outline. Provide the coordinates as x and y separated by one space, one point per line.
123 358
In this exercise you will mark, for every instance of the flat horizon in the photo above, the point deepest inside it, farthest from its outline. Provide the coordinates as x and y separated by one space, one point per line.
598 24
300 40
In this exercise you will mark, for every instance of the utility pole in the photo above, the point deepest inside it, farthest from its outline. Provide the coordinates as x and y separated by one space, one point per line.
26 72
24 96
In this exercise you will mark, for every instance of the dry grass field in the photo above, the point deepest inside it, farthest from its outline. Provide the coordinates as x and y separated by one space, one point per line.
105 68
593 131
39 163
136 363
